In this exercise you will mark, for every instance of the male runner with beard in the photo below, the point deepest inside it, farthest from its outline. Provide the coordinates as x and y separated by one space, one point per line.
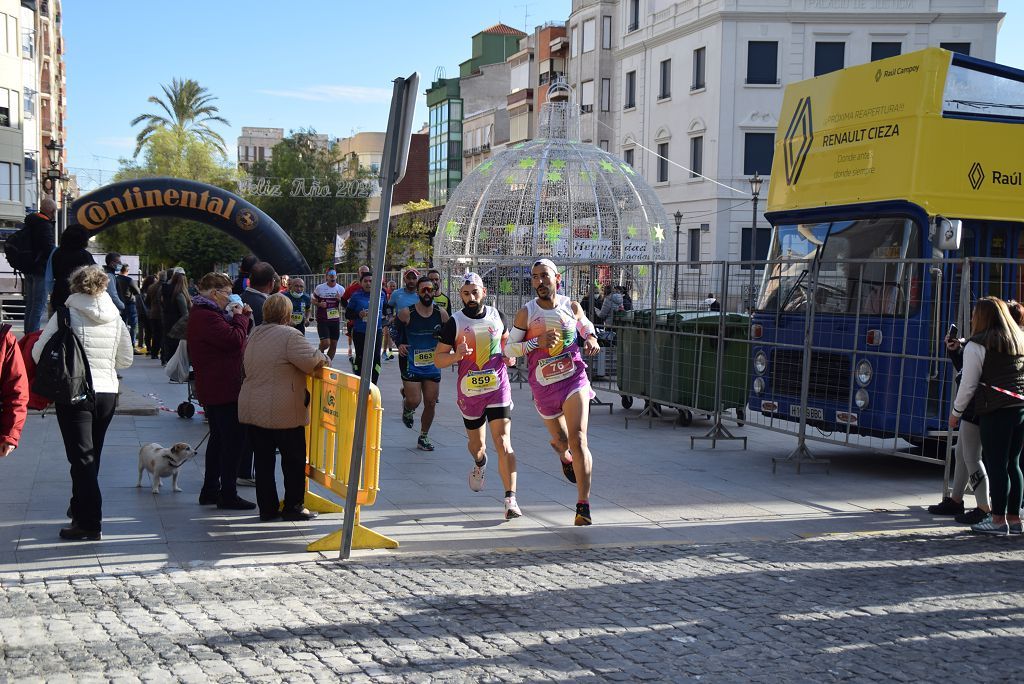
548 331
418 327
473 338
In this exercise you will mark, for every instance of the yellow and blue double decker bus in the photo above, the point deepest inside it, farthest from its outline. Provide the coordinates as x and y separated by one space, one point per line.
878 168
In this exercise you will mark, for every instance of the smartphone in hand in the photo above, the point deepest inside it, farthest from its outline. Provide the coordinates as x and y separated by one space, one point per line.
951 334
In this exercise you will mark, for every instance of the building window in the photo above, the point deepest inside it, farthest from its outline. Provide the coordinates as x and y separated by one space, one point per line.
634 15
589 29
758 152
606 94
763 62
628 157
696 156
662 162
5 108
698 69
694 254
630 90
606 33
828 57
885 50
574 46
763 237
587 96
962 48
603 145
5 182
665 79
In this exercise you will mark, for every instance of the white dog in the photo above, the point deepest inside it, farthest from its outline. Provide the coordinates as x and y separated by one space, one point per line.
161 462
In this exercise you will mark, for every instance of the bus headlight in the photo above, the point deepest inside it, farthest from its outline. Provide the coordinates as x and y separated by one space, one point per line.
758 385
760 362
864 372
860 398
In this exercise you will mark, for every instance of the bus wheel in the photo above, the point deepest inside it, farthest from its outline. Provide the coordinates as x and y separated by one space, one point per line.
627 401
685 418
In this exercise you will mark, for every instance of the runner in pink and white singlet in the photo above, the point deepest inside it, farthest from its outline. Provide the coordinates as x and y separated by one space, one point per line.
473 338
551 330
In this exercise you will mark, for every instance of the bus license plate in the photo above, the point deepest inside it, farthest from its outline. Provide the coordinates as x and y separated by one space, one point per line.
812 412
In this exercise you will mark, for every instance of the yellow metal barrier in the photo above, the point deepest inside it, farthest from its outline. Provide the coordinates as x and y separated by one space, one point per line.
332 409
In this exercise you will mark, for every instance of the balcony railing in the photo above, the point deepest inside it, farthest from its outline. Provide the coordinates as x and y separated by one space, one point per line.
587 108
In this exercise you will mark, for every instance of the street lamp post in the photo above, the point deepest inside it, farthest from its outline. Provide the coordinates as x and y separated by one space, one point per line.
54 149
755 191
678 216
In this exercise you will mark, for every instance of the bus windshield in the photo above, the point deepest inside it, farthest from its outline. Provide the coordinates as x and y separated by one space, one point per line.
843 287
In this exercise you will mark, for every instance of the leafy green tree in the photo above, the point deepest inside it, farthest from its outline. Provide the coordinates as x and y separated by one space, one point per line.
313 216
169 241
409 240
189 109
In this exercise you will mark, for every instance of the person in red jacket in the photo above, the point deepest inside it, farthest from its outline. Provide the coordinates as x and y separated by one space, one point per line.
13 392
216 344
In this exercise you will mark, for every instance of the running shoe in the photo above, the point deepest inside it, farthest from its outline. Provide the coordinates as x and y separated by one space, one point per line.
947 507
407 417
987 526
582 514
424 443
971 517
567 470
512 508
476 477
1016 528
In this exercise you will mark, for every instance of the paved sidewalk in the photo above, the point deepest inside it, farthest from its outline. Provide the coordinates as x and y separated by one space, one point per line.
649 487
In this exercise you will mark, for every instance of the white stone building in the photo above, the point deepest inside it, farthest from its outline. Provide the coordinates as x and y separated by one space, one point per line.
257 144
701 82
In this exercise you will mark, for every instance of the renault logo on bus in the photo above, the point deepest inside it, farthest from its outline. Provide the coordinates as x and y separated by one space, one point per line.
976 175
797 141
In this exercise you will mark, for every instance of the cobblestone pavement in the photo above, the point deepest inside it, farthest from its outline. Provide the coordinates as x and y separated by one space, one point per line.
901 606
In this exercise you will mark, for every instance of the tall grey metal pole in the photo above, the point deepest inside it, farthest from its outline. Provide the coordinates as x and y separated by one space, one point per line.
396 151
753 256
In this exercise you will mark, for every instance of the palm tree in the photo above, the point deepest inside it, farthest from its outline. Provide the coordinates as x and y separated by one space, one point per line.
188 111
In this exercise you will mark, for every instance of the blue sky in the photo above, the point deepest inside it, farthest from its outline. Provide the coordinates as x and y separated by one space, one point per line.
328 65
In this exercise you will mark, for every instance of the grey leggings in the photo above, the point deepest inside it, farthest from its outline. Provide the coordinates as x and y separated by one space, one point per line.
968 461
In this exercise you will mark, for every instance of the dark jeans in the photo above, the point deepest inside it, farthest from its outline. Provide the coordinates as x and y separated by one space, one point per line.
83 432
223 451
168 345
292 444
359 339
35 301
156 334
1002 435
245 461
130 316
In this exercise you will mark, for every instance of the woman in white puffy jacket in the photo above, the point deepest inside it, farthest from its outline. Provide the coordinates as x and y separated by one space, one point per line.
97 323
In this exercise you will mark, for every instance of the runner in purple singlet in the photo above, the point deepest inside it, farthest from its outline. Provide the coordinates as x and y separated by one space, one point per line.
473 338
548 331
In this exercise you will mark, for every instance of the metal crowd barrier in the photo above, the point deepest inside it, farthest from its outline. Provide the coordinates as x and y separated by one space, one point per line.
333 397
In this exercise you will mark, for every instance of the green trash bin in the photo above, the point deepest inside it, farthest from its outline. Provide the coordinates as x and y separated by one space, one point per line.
697 350
633 350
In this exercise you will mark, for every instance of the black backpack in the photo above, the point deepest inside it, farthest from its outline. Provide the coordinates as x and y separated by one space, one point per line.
18 250
62 374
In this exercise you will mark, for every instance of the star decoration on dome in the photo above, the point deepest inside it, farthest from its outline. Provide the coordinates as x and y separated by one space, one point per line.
451 229
628 169
554 176
483 235
527 163
510 179
558 163
486 166
585 176
553 230
505 286
510 228
631 232
642 271
607 165
657 232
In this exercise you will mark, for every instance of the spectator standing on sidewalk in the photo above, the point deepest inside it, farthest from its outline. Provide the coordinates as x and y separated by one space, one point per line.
68 257
97 323
128 291
112 264
277 360
216 343
13 392
261 286
174 306
41 238
994 374
611 303
155 313
242 281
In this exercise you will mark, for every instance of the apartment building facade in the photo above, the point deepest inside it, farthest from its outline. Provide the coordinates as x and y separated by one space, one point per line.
701 84
256 145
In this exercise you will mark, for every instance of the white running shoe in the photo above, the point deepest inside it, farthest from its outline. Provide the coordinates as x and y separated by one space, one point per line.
511 508
476 477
